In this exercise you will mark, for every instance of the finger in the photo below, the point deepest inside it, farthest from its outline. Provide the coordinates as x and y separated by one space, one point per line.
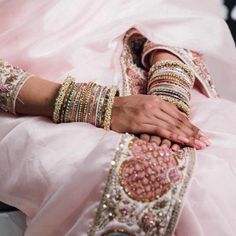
157 130
155 139
200 136
205 140
166 143
171 110
145 137
189 131
176 138
174 114
185 129
164 128
199 144
175 147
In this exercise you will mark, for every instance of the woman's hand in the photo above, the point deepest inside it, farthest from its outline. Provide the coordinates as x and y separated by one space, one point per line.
145 114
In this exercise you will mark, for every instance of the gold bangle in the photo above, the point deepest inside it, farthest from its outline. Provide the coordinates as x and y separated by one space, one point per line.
65 102
171 76
108 108
84 100
176 64
60 98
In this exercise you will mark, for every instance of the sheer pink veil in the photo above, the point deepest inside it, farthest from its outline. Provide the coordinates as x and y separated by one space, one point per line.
52 38
84 38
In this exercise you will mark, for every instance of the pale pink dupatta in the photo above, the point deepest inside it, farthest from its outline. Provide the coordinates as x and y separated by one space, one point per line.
54 38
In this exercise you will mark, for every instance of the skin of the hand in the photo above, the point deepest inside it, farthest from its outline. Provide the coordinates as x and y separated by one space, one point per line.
146 114
198 144
138 114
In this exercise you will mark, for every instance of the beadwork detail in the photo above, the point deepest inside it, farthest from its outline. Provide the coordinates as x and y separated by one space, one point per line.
133 203
117 232
11 81
194 61
153 210
134 77
149 173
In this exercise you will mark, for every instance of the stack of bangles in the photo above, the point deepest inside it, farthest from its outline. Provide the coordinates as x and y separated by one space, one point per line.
84 102
171 81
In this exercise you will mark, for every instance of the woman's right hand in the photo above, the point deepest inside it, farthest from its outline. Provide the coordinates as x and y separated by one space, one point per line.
146 114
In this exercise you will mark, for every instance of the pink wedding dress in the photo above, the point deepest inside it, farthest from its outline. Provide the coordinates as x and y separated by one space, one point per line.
61 176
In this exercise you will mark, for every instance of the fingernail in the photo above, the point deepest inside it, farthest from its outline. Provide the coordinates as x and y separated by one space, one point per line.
183 139
202 134
199 143
198 147
174 148
205 140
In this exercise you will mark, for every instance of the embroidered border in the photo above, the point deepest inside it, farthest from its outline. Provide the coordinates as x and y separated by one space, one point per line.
124 207
11 81
134 77
120 212
193 59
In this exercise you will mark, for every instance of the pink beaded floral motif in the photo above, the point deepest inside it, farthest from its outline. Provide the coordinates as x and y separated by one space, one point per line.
150 171
144 190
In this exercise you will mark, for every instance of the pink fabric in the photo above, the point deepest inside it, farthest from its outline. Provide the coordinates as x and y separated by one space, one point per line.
210 205
55 173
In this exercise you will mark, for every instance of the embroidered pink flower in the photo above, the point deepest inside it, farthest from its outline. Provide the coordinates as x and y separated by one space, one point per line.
149 173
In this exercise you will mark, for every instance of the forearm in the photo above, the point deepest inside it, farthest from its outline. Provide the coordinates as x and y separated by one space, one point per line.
26 94
67 102
161 56
169 77
37 97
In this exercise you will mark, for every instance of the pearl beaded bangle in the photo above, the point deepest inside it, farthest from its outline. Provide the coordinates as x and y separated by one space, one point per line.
84 102
171 80
60 98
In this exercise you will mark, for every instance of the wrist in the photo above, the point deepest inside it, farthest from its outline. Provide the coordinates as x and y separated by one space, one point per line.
43 94
83 102
159 55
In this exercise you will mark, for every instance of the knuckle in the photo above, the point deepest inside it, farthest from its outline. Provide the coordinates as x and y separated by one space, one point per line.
179 124
170 105
172 128
147 106
173 136
179 115
162 104
196 130
140 116
156 99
